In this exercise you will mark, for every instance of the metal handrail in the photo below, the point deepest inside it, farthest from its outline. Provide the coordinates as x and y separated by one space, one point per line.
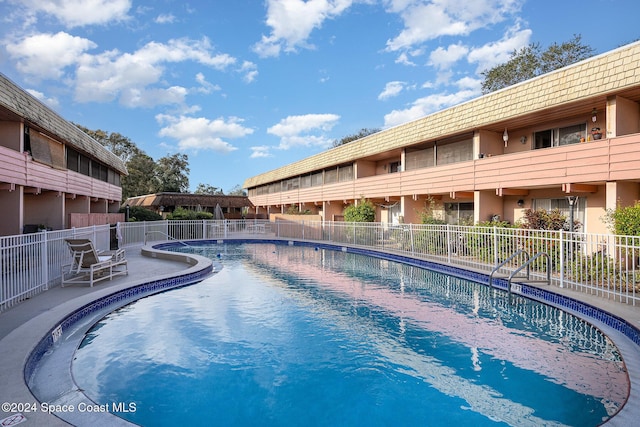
526 264
503 263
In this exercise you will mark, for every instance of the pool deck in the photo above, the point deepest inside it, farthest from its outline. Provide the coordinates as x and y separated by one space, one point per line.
24 325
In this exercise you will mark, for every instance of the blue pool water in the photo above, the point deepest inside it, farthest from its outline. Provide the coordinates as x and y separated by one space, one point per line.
286 336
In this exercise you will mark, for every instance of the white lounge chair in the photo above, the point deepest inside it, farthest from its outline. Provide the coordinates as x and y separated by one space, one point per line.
88 266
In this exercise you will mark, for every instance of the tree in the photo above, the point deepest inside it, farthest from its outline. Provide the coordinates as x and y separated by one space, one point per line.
364 211
172 173
118 144
208 189
530 61
350 138
142 176
237 191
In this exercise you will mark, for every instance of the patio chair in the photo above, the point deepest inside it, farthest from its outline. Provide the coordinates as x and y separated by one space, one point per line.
90 266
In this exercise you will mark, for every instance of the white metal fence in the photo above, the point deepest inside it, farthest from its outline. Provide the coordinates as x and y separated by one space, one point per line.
599 264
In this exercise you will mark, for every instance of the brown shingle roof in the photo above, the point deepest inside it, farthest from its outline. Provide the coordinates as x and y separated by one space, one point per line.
188 199
40 117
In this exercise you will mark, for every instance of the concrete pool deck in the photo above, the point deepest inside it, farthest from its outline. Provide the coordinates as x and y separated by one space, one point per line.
24 325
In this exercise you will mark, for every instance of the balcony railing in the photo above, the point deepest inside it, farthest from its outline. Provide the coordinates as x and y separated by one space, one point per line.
599 264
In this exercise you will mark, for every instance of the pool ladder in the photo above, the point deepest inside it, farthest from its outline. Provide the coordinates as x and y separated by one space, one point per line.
526 279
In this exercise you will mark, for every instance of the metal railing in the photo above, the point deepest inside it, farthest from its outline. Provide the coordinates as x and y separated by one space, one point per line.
599 264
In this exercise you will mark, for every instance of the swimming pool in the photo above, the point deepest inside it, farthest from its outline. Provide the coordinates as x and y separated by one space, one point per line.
293 335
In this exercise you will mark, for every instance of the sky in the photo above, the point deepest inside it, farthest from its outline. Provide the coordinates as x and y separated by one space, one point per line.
246 86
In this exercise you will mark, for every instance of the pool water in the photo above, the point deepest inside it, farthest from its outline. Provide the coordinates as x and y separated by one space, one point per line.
288 335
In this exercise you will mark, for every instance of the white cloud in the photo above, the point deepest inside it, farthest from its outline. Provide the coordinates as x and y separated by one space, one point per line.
165 19
133 97
494 53
51 102
445 58
292 22
78 13
205 86
424 21
427 105
47 55
250 71
470 83
112 74
403 58
305 130
391 89
260 151
200 133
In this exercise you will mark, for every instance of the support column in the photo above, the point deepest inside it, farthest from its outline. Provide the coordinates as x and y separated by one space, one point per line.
486 204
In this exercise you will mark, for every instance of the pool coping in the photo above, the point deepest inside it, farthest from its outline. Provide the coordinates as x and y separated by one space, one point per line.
625 335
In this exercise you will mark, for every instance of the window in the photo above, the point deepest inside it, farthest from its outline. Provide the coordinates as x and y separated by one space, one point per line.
454 152
73 160
458 213
421 158
345 173
394 167
560 136
331 176
46 150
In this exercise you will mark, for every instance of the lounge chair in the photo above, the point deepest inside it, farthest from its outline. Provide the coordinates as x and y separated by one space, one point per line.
89 266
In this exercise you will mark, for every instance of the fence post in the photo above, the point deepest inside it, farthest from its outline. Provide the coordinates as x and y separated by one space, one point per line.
413 250
449 243
44 259
496 252
562 260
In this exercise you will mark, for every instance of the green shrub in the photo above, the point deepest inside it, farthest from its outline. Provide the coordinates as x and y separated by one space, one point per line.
364 211
625 221
138 213
181 213
428 214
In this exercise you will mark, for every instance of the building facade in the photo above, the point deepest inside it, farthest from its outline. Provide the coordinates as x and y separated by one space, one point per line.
52 175
221 206
569 139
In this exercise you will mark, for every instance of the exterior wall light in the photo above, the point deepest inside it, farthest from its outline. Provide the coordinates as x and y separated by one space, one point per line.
594 115
523 139
505 137
520 203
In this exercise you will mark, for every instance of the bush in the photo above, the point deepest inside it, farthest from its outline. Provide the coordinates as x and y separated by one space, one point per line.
428 214
625 221
185 214
540 219
138 213
362 212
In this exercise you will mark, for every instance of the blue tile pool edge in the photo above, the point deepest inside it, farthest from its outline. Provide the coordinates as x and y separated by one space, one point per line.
115 300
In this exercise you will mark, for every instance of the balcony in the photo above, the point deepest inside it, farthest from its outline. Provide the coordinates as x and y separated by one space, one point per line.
19 169
590 162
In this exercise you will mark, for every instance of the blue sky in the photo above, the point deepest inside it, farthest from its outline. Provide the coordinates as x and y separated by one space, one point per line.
243 87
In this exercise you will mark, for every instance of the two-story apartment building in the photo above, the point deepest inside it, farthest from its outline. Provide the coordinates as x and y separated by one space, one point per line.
50 169
570 137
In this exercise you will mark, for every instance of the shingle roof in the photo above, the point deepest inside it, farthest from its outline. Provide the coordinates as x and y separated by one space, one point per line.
40 117
189 199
